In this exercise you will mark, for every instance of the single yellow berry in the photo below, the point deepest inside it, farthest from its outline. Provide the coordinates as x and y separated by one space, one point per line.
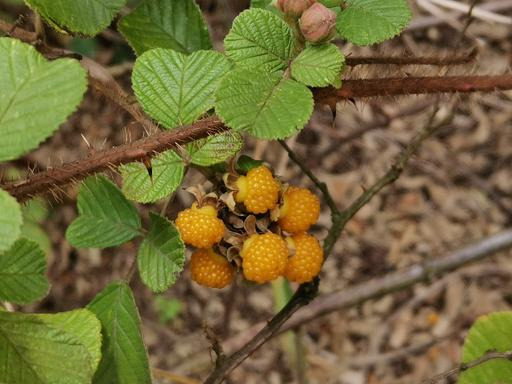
307 261
258 190
264 257
300 210
200 227
211 269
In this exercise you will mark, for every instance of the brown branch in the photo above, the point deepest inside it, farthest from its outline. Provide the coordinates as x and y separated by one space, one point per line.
465 58
103 160
472 364
396 86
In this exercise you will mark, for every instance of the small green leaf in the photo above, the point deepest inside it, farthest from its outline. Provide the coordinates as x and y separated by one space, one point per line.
260 39
37 96
319 66
10 220
266 105
246 163
34 232
174 24
161 255
48 349
87 17
214 149
23 273
167 171
124 357
106 218
167 309
489 333
367 22
82 324
35 210
176 89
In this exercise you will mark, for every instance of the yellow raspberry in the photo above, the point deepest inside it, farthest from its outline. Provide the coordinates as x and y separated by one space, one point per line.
307 261
211 269
200 227
264 257
258 190
300 210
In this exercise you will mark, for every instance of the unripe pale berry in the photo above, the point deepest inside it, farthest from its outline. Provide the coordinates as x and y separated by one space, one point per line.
318 23
294 8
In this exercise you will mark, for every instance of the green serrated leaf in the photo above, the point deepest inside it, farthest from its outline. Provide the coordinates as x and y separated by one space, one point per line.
174 24
367 22
87 17
260 39
106 218
39 349
37 96
23 273
124 357
319 66
35 210
176 89
82 324
34 232
492 332
167 171
161 255
266 105
10 220
214 149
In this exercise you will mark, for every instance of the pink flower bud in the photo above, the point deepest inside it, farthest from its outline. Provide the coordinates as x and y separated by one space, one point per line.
294 8
318 23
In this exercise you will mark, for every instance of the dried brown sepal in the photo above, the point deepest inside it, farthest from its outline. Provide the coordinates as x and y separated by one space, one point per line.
233 255
228 199
250 225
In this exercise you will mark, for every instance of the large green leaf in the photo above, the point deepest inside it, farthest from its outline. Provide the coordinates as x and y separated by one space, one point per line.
82 324
176 89
214 149
161 255
124 357
268 106
48 349
10 220
174 24
489 333
319 66
23 273
167 170
260 39
37 96
366 22
87 17
106 218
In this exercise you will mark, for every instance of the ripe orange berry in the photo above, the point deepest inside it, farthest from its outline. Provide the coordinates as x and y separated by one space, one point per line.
307 261
211 269
200 227
264 257
258 190
300 210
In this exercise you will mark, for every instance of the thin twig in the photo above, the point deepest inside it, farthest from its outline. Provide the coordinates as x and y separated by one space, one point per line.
472 364
465 58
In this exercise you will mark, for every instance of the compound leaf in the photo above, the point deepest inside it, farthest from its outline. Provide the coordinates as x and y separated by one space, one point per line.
174 24
106 218
167 171
23 273
266 105
176 89
87 17
37 96
366 22
161 255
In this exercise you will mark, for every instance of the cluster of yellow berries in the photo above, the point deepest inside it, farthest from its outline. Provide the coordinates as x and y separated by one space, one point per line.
287 250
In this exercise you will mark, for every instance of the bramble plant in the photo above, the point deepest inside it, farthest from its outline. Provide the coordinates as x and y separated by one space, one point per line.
251 225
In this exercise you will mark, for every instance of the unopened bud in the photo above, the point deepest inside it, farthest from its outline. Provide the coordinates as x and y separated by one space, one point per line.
294 8
318 23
